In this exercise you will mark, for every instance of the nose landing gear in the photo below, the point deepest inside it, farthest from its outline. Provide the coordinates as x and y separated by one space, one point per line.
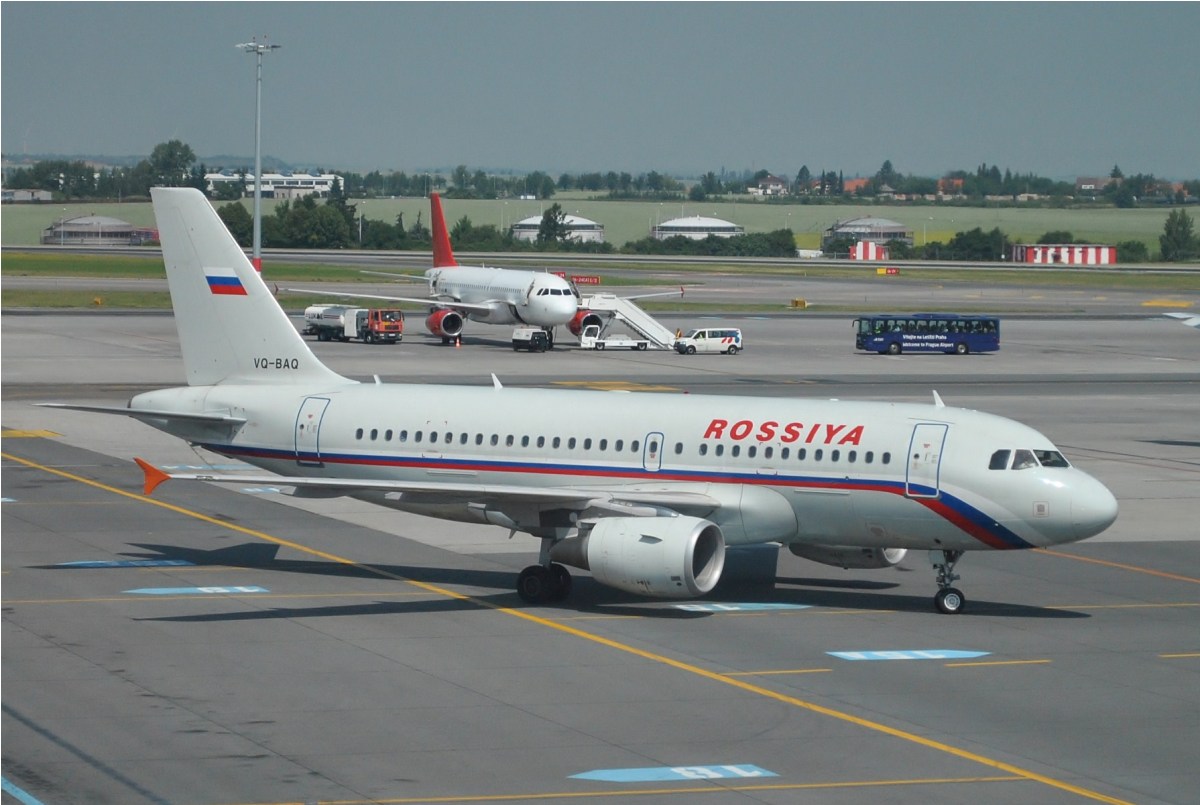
948 601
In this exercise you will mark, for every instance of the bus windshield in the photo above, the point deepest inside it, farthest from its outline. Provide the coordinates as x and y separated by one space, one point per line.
953 333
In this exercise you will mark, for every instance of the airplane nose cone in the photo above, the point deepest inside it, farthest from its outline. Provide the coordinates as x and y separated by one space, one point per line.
563 308
1093 509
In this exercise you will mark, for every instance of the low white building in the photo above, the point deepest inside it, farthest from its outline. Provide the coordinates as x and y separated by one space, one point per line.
579 229
95 230
696 227
291 184
26 196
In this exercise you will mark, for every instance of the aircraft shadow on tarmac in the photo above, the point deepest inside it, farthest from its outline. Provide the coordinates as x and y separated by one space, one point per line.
588 596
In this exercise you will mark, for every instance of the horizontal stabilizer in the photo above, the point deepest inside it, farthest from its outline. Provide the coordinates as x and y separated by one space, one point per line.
1190 319
149 414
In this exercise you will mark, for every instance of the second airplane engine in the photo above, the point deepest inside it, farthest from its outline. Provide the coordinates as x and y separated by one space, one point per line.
444 323
849 558
583 318
665 557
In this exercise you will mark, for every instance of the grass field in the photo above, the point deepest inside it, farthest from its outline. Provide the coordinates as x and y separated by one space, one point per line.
40 264
22 225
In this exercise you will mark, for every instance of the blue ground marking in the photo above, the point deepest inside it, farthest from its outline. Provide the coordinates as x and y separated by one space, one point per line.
261 490
914 654
196 590
7 500
738 607
92 563
24 796
657 774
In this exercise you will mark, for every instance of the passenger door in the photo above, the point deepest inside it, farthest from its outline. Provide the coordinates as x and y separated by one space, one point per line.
308 430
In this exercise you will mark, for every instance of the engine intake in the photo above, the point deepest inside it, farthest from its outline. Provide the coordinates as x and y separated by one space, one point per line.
583 318
849 558
444 323
664 557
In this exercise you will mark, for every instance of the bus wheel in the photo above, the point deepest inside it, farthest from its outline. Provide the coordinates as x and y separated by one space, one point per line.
733 350
961 349
893 348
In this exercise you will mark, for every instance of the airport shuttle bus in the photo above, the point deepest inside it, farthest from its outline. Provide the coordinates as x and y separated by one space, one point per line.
893 333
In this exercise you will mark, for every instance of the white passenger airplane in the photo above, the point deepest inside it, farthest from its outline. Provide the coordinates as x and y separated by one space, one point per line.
487 295
645 491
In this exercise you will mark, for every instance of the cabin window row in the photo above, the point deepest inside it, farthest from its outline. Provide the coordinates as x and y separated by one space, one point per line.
603 445
802 454
495 440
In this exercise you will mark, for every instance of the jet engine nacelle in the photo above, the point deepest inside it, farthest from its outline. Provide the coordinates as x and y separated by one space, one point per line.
665 557
445 323
849 558
583 318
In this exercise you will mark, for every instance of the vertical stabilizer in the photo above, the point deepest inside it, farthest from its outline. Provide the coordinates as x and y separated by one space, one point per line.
231 329
443 255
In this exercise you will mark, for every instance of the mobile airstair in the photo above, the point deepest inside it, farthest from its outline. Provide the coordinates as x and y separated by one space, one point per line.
614 308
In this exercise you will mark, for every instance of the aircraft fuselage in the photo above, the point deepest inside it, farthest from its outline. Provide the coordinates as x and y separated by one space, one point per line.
824 472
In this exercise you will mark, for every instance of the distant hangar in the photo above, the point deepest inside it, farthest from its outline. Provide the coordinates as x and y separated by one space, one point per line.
95 230
579 229
696 227
881 231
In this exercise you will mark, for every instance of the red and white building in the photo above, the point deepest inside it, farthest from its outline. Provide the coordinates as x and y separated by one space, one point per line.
868 250
1065 254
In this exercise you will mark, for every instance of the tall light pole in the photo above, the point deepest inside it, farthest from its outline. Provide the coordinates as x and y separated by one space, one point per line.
258 49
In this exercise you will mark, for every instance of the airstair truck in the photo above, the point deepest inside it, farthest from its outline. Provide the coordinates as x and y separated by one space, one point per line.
341 323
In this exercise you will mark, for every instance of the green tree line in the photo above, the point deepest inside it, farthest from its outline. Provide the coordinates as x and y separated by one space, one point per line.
335 223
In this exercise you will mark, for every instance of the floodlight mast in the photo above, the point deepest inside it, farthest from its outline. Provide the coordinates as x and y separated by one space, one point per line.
258 49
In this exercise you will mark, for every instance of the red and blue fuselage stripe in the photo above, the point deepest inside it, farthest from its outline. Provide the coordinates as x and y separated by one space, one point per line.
957 512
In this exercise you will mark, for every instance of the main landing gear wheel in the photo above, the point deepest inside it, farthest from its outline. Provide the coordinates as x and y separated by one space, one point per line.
949 600
537 584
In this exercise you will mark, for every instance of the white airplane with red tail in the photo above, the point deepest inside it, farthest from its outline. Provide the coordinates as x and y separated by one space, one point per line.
485 294
644 490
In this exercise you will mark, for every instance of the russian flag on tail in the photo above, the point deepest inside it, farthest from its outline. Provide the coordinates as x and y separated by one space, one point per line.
224 282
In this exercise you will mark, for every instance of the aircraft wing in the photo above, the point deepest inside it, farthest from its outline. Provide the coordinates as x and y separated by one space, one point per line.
425 300
627 502
404 277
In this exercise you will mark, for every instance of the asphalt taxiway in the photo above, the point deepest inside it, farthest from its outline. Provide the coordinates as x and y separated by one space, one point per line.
218 645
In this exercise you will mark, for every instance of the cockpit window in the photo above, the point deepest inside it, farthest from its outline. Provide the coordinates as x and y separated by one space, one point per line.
1023 460
1051 458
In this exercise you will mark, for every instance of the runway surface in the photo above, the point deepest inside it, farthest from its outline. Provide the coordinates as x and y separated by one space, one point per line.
221 645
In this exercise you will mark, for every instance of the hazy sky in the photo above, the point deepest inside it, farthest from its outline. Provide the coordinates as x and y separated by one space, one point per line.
1058 89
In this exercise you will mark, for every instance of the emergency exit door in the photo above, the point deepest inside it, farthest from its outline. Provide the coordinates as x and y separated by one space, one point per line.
925 460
